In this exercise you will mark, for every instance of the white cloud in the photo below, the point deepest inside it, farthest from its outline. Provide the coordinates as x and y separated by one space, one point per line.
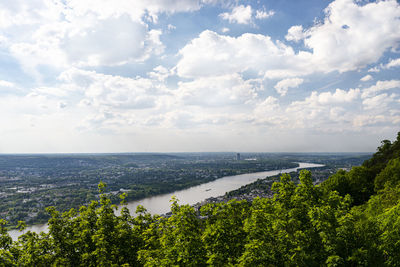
113 92
263 14
327 111
212 54
295 33
217 91
374 69
240 14
283 86
87 42
25 13
336 44
378 102
38 45
129 40
180 120
51 91
136 9
366 78
160 73
393 63
269 112
327 98
337 114
353 36
368 120
6 84
225 30
84 32
380 86
268 105
27 106
244 14
171 27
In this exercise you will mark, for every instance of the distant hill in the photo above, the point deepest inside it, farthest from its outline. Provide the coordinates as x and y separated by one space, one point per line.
76 160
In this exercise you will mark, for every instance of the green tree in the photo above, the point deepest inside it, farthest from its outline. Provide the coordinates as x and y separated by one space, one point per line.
281 230
390 238
389 176
224 236
179 239
6 257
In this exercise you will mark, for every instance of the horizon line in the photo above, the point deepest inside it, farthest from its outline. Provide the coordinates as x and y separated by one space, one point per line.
181 152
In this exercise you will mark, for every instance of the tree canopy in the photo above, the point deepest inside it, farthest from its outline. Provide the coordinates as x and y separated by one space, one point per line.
351 219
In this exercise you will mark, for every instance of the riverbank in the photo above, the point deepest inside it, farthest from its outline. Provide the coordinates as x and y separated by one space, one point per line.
161 204
262 187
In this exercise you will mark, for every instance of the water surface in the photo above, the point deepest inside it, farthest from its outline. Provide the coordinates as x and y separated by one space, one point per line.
161 204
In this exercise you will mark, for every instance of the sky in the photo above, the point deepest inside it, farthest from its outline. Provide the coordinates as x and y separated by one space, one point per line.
198 75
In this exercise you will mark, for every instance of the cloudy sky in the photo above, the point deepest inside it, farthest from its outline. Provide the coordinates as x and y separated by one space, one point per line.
198 75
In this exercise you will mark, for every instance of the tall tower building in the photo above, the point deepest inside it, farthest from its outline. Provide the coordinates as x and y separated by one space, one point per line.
238 156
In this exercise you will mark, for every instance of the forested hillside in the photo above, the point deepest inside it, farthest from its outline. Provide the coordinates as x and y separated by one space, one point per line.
351 219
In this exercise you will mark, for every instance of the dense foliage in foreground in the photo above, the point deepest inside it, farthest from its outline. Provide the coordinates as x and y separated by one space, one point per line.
352 219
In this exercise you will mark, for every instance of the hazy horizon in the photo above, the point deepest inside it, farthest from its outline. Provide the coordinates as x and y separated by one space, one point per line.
84 76
177 152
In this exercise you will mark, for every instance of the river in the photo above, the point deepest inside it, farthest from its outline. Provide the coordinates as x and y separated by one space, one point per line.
161 204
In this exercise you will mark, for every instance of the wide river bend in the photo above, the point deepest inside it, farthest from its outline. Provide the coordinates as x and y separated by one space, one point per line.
161 204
